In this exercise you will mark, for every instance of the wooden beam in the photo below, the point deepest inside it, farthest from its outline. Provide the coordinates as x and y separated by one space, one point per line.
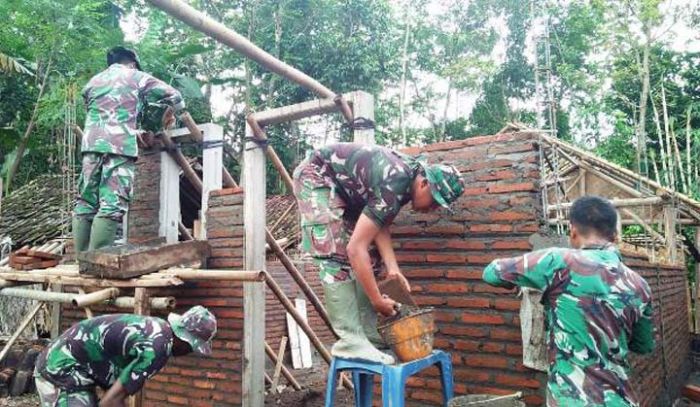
639 221
618 203
670 213
201 22
363 107
254 293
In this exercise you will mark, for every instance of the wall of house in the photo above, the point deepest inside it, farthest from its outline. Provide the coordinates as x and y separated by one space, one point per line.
443 255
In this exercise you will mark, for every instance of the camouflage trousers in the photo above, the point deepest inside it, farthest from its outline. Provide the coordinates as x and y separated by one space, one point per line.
105 186
325 226
52 396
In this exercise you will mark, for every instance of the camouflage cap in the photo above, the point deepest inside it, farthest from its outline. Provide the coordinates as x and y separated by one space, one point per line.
197 327
446 183
117 54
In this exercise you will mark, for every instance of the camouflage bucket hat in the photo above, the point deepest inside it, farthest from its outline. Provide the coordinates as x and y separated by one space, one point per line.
446 183
197 327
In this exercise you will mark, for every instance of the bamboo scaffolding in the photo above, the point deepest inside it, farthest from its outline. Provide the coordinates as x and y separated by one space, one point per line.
618 203
285 372
96 297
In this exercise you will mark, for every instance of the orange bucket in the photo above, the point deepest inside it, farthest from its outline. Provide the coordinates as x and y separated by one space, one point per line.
410 336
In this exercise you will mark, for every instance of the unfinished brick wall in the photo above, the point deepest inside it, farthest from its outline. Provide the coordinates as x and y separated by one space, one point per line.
443 255
195 380
143 223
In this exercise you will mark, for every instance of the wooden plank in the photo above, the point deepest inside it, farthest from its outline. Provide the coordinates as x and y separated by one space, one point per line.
304 344
278 365
135 260
670 214
285 372
44 255
169 213
212 164
293 333
363 107
254 293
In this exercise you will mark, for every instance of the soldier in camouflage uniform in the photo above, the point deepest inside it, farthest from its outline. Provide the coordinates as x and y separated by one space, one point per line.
114 98
348 195
117 353
597 309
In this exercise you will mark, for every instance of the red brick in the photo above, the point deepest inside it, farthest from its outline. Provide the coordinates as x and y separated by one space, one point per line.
471 375
423 245
460 330
434 397
512 245
488 361
495 227
506 334
481 259
464 274
406 230
485 288
497 175
203 384
226 191
488 319
506 304
452 229
178 400
428 273
446 258
447 288
468 302
464 244
517 381
475 191
410 257
223 263
501 188
516 350
510 216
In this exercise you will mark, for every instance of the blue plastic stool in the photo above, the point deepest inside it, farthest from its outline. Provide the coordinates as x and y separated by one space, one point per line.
393 378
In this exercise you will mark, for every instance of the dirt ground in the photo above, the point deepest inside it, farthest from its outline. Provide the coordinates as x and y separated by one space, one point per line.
313 395
27 400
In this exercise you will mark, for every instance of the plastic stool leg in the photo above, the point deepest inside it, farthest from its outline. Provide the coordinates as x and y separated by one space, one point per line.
447 379
364 388
331 384
393 385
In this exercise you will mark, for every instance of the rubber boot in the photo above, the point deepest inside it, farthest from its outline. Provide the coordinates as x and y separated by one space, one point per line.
341 303
368 317
103 233
81 233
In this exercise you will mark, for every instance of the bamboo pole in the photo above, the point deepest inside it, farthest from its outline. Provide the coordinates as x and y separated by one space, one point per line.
155 302
285 372
180 159
271 154
38 295
202 274
95 297
643 224
183 231
287 304
22 326
618 203
197 134
201 22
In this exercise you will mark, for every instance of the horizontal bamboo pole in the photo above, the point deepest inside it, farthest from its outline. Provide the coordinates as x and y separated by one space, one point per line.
299 111
156 302
89 282
96 297
38 295
618 203
204 274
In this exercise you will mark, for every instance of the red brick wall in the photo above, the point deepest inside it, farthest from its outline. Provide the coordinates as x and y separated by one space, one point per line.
142 220
194 380
444 255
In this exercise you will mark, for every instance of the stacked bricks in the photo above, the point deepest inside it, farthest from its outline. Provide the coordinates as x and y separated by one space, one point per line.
143 223
194 380
444 254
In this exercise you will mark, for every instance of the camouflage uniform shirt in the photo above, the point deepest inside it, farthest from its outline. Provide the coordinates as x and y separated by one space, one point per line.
101 350
372 180
597 311
114 98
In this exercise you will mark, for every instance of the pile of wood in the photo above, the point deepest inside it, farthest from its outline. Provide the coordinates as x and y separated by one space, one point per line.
32 259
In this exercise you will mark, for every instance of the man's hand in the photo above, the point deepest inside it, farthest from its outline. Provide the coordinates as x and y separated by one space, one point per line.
115 396
385 306
396 274
145 139
168 118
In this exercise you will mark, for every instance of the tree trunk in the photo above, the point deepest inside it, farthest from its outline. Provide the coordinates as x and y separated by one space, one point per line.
669 146
30 127
250 5
443 124
641 124
662 147
278 46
